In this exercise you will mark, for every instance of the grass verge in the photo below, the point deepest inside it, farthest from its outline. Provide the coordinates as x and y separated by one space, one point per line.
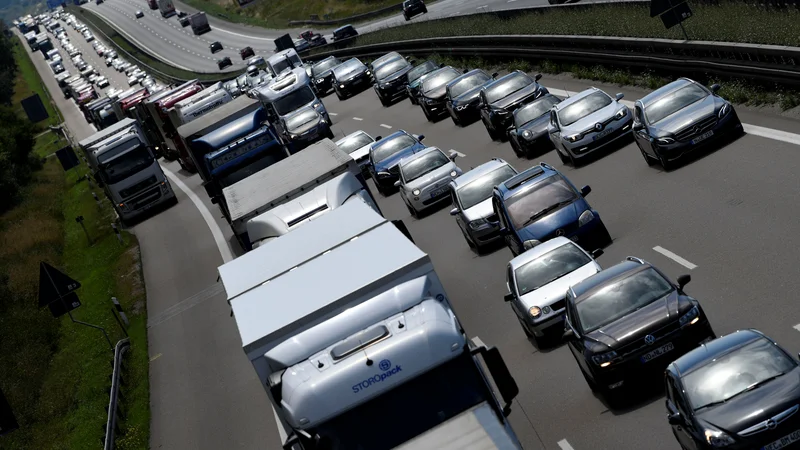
47 143
32 85
729 21
56 373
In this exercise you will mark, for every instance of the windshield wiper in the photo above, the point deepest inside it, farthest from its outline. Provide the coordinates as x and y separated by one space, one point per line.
718 402
762 382
544 211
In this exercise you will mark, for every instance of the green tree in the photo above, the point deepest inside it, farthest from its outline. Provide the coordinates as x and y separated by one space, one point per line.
16 162
8 68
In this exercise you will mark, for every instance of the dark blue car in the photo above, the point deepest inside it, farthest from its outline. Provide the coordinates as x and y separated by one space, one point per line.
540 204
386 153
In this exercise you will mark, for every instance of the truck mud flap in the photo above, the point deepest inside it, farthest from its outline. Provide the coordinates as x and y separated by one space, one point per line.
403 229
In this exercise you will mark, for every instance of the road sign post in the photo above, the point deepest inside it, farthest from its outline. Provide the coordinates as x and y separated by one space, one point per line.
671 13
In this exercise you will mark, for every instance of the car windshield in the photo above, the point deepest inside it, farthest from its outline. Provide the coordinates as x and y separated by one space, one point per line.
674 102
126 165
439 79
347 67
534 110
353 143
549 267
479 190
301 118
421 404
545 196
620 298
324 66
583 107
389 147
390 67
285 63
465 84
736 372
294 100
423 165
507 87
387 57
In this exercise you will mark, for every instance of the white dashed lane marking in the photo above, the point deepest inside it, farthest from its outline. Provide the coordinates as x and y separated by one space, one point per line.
358 119
386 126
674 257
565 445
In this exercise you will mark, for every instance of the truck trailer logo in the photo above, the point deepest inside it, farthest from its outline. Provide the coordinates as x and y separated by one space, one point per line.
386 371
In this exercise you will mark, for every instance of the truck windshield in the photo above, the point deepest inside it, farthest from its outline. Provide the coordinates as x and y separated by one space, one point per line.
126 165
294 100
279 66
247 161
408 410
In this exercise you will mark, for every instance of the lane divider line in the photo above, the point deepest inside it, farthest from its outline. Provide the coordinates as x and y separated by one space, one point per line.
333 114
674 257
565 445
386 126
358 119
797 327
460 155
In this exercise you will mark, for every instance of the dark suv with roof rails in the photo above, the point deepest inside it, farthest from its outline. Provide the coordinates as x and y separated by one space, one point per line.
412 8
500 98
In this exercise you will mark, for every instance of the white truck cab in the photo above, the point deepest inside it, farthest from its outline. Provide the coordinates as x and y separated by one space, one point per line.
282 61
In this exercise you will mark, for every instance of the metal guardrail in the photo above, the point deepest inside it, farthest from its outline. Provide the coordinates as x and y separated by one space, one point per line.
111 425
345 20
769 64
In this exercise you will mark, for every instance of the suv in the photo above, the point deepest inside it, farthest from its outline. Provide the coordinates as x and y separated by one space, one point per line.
246 52
500 98
215 47
540 204
344 32
413 8
620 322
184 21
224 62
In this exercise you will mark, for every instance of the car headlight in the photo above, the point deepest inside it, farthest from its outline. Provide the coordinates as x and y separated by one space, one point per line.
605 359
293 136
665 140
477 224
529 244
368 72
585 218
717 438
454 174
415 192
690 317
574 137
527 135
621 113
341 86
726 108
535 311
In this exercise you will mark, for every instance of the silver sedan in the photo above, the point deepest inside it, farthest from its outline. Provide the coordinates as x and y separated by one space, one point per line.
425 177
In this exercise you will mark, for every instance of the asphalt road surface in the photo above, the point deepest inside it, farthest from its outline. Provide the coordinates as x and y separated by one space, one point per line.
727 217
173 44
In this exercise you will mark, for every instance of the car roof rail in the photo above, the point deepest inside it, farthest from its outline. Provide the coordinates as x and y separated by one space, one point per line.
547 166
635 259
523 177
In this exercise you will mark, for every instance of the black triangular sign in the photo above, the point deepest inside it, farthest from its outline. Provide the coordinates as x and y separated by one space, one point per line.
53 284
658 7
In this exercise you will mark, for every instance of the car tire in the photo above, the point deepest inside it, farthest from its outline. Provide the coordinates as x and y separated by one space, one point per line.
413 100
516 148
384 102
492 134
339 95
604 237
329 135
425 11
646 157
564 159
412 211
406 17
456 122
592 384
665 164
427 115
524 328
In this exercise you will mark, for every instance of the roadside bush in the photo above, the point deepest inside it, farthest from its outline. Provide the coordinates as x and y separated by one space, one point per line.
16 162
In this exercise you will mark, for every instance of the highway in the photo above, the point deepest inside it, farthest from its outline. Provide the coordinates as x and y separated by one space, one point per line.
726 217
167 40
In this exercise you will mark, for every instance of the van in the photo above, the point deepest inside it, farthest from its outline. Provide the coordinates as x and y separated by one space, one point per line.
344 32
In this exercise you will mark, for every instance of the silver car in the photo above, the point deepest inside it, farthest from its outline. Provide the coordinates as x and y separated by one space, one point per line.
425 177
357 145
472 201
587 122
537 282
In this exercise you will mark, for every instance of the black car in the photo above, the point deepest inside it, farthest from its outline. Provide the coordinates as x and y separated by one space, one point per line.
317 40
741 391
501 98
247 52
224 62
620 322
413 8
350 78
322 76
215 47
528 133
432 98
304 127
464 95
391 79
344 32
184 21
385 155
416 76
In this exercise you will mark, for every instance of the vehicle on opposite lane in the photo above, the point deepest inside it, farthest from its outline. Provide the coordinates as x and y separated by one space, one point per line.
540 204
528 133
247 52
413 8
500 98
740 391
679 117
416 76
433 90
350 78
620 321
587 122
385 155
425 179
472 202
537 282
464 94
139 14
344 32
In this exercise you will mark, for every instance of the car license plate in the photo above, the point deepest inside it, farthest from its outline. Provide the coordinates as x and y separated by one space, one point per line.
703 137
784 441
603 134
438 192
649 356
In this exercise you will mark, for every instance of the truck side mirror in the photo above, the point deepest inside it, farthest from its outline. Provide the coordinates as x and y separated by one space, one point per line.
502 377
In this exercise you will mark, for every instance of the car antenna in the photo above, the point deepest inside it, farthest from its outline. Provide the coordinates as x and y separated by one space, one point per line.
565 90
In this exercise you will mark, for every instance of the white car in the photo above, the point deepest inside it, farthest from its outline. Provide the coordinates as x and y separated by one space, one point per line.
109 61
132 80
357 145
122 67
425 178
102 82
537 282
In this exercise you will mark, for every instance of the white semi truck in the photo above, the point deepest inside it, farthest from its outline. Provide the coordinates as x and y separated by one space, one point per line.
127 170
357 345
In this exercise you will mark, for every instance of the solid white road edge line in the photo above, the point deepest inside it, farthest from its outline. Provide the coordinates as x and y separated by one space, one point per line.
755 130
222 246
674 257
565 445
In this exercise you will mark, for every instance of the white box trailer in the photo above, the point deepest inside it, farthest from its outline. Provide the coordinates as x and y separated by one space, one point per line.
362 348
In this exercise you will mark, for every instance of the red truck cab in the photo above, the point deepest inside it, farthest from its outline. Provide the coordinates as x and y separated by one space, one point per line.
163 107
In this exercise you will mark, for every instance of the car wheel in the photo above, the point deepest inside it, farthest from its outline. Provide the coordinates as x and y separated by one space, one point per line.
413 99
329 135
525 328
592 384
384 102
339 95
406 17
427 114
665 164
646 157
492 134
412 211
425 11
604 237
516 148
564 159
456 122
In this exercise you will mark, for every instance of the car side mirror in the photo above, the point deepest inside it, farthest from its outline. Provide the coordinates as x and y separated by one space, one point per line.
495 75
596 253
453 156
715 88
411 61
638 126
441 66
421 137
465 71
509 297
538 77
503 231
674 419
397 183
568 335
619 96
683 280
454 212
586 190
